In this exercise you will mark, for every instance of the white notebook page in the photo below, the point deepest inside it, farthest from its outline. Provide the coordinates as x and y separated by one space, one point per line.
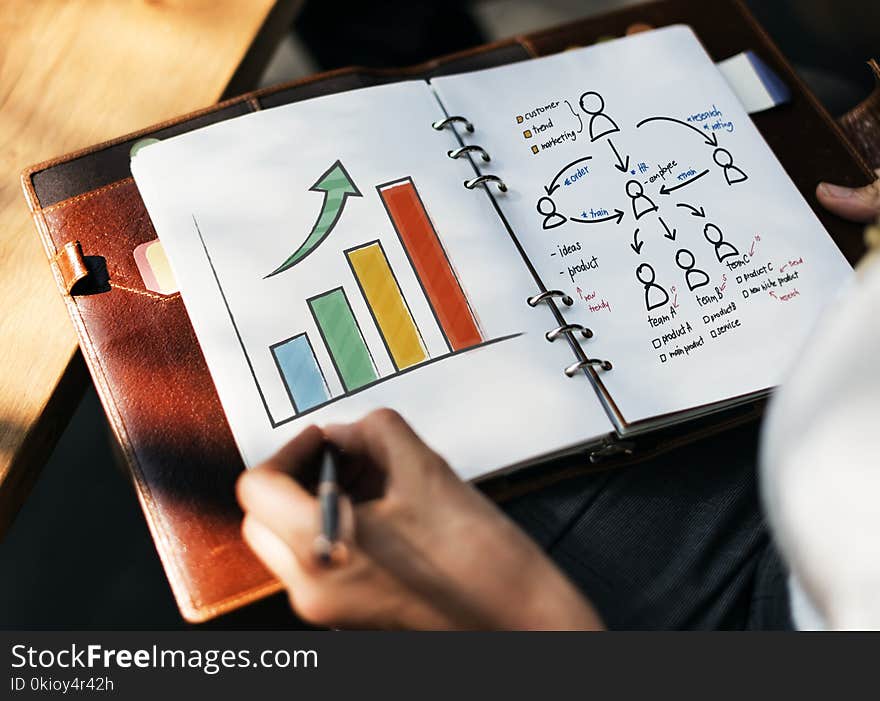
295 235
638 184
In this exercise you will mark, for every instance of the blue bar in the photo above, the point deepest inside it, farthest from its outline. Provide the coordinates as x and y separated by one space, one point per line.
300 372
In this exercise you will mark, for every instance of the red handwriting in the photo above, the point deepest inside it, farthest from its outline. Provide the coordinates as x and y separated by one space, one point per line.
723 282
752 248
786 297
588 297
792 264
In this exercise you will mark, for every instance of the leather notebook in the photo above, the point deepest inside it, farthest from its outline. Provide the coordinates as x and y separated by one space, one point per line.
145 358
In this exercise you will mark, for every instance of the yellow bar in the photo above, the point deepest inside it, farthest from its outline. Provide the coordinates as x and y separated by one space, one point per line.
386 302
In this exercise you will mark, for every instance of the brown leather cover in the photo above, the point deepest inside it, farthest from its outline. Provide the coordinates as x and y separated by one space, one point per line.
145 359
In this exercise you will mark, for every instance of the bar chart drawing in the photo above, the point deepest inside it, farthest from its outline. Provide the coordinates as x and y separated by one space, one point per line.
387 305
337 335
343 338
305 383
428 257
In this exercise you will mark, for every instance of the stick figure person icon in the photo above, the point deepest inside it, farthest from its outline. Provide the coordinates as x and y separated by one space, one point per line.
723 249
641 203
655 295
552 218
693 276
600 123
732 174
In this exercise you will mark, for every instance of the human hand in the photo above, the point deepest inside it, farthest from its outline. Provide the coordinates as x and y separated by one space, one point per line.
418 547
860 204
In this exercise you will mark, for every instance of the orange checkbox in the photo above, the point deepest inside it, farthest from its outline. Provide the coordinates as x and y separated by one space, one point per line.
519 119
527 133
534 149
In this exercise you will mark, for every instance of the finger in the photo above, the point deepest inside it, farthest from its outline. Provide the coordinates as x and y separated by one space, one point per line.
379 436
273 552
860 204
281 504
637 28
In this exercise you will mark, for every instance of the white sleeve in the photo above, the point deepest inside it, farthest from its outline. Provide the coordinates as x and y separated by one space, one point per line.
820 464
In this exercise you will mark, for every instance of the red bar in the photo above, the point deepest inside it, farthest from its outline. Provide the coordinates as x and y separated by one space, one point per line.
432 267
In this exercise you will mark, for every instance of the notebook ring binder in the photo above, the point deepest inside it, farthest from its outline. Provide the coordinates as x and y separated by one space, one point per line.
568 328
480 179
441 124
470 148
535 300
574 368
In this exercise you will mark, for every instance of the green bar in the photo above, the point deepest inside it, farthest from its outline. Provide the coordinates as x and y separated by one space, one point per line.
344 340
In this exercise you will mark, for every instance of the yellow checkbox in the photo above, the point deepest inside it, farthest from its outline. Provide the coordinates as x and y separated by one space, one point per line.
519 119
527 133
534 149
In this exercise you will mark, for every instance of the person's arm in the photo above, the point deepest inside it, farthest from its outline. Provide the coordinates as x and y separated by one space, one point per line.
422 549
419 548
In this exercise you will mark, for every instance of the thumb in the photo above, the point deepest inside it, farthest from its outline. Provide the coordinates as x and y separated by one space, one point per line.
861 204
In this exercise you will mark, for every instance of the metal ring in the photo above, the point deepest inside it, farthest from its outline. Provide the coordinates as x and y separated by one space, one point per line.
574 368
535 300
471 148
567 328
441 124
480 179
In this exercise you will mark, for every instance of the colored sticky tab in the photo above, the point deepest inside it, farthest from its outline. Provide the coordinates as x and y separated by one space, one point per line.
152 263
754 82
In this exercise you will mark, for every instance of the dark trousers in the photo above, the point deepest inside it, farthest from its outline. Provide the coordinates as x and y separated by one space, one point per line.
677 542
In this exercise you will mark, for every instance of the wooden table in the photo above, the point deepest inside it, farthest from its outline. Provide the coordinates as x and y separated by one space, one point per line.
74 73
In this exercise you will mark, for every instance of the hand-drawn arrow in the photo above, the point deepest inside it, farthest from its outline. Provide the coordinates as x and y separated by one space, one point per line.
710 140
636 245
694 211
666 190
622 165
617 215
337 186
669 235
553 186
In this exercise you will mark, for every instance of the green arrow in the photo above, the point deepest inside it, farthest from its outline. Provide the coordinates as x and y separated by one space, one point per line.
337 186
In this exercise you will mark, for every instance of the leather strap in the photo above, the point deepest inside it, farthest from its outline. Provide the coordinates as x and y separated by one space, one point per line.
71 264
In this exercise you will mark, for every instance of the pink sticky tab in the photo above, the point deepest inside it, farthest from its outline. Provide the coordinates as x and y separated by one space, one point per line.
154 268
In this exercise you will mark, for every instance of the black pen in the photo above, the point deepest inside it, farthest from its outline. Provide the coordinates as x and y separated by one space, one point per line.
328 500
